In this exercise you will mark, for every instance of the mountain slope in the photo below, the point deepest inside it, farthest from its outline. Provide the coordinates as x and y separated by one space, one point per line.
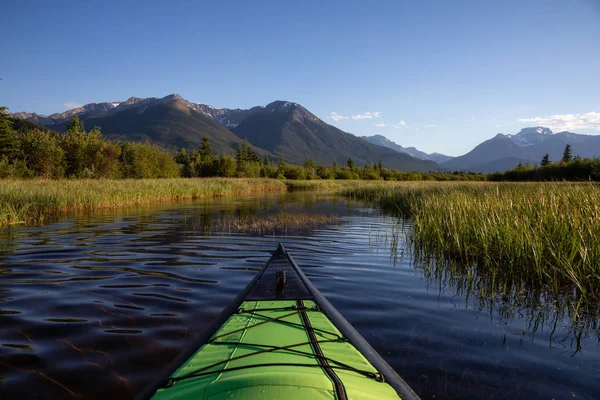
170 122
504 152
439 157
58 118
497 148
279 128
289 129
381 140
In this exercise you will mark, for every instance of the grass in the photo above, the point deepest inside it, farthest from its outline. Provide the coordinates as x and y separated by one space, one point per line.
333 185
519 235
30 202
515 236
266 224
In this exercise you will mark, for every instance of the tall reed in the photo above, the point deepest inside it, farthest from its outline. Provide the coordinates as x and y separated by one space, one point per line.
31 201
525 234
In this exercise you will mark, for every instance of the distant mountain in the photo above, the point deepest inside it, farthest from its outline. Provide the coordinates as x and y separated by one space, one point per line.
57 118
279 128
381 140
504 152
170 122
439 158
288 128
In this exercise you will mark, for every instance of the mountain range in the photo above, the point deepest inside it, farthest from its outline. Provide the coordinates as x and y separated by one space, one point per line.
504 152
288 129
280 128
381 140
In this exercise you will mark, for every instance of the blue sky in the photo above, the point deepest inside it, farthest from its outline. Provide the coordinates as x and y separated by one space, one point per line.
439 75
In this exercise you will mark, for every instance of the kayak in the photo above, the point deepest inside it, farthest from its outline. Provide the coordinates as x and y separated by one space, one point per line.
279 339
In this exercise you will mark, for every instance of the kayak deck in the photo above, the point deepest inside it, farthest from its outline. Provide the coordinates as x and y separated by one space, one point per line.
285 349
279 339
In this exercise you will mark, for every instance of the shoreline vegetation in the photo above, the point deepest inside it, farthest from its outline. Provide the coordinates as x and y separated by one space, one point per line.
520 236
266 224
31 201
501 238
31 151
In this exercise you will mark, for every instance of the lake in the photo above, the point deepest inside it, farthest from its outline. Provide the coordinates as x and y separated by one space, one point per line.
96 305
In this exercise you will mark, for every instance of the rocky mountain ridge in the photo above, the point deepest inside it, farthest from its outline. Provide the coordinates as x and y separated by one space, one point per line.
504 152
279 128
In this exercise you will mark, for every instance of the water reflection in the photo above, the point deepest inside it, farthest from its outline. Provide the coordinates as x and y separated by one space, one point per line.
562 316
115 296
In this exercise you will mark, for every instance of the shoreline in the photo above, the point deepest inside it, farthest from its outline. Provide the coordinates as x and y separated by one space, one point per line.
30 202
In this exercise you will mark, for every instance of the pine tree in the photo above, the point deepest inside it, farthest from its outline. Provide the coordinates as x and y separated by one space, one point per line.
75 126
281 162
248 154
335 169
9 142
74 145
266 161
206 165
181 157
206 149
350 163
567 156
309 163
239 158
545 160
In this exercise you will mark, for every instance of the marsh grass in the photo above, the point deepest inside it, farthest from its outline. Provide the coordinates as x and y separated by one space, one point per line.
268 224
30 202
517 236
333 185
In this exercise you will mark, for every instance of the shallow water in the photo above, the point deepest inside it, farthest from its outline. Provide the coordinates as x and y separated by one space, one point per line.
95 306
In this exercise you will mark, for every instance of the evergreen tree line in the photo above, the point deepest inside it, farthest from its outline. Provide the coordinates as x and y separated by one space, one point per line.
568 168
28 151
246 164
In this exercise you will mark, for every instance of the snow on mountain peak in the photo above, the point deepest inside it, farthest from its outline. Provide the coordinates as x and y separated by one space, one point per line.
530 136
281 106
534 130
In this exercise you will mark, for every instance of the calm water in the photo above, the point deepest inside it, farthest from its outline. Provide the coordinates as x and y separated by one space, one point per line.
95 306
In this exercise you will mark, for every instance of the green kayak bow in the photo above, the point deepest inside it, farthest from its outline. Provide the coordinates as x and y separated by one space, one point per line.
279 339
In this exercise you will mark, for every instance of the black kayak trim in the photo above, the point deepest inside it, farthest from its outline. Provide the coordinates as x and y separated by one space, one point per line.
297 287
340 390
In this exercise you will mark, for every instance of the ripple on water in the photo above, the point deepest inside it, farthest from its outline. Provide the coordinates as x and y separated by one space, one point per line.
115 298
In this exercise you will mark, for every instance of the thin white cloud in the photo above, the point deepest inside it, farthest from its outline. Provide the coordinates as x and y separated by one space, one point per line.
567 122
69 105
367 115
337 117
400 125
429 126
380 125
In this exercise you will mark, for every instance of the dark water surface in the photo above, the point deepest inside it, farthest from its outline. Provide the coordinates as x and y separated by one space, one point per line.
95 306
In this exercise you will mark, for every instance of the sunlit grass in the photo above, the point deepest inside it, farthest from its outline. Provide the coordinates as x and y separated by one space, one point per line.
29 202
520 234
